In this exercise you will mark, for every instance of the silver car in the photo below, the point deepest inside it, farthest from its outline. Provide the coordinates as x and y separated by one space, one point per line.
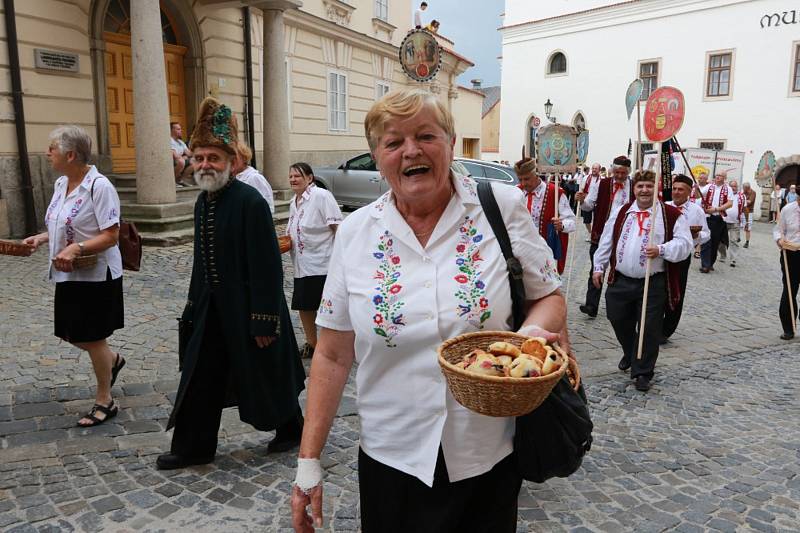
357 182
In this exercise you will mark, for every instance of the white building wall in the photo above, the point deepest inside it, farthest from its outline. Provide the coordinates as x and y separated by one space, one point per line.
604 48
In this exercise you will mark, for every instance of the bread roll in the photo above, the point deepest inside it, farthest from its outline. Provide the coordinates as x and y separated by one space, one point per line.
552 363
525 367
535 346
504 348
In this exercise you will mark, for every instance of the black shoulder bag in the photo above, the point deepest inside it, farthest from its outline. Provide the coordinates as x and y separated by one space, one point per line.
551 440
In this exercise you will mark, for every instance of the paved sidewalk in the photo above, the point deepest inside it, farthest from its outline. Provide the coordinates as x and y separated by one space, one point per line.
713 445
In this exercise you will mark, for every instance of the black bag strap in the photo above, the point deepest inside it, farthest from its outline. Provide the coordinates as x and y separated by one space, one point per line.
514 267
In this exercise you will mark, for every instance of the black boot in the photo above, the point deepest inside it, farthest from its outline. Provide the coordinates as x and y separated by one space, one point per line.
171 461
287 436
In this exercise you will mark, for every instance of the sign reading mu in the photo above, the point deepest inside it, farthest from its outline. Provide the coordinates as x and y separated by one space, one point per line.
775 19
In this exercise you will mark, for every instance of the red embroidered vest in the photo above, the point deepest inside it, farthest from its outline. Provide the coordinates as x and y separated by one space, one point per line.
602 207
669 216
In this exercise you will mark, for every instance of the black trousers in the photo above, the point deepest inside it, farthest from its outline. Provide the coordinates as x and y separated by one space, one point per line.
197 421
708 252
793 258
624 309
393 501
673 316
592 292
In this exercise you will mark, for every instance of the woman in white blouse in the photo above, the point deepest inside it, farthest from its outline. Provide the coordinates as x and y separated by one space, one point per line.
418 266
83 219
314 216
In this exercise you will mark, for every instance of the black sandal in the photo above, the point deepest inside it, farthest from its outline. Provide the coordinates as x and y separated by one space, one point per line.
115 369
110 412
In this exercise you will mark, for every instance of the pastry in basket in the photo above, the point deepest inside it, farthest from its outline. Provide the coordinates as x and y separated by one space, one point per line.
552 363
504 348
471 357
486 364
535 346
504 360
525 367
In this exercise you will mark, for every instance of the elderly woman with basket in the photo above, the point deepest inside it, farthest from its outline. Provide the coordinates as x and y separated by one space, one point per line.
416 267
86 266
314 216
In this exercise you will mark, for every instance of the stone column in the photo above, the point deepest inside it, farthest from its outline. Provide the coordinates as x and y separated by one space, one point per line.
155 182
274 99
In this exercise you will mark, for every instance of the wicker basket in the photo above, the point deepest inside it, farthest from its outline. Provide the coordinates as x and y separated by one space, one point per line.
84 261
15 248
284 243
490 395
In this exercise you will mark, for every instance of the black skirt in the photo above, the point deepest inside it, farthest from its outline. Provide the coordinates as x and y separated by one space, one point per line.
307 293
88 311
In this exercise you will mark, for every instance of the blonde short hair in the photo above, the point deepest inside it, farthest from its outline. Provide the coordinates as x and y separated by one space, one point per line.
404 104
244 151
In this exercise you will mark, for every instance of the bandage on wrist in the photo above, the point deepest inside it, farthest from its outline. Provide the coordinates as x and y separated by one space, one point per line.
309 474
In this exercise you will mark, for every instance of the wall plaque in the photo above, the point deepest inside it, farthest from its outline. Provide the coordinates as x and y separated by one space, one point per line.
56 60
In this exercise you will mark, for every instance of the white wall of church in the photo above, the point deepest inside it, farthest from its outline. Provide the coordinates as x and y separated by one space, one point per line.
604 49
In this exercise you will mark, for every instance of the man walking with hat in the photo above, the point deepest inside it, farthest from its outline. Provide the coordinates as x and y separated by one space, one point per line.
238 345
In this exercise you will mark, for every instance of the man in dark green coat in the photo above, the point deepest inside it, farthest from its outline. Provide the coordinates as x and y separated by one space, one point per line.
238 345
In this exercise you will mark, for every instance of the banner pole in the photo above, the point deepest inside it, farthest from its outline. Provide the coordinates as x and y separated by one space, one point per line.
639 154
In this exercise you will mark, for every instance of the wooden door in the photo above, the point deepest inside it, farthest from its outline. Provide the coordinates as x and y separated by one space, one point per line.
119 97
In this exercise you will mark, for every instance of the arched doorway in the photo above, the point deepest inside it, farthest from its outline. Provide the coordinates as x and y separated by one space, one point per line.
579 122
113 74
788 175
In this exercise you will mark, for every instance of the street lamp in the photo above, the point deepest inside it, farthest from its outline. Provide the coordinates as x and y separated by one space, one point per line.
548 108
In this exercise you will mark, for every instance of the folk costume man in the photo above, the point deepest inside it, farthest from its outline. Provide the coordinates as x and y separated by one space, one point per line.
717 198
239 347
750 198
696 217
610 194
733 220
787 236
540 201
588 186
639 231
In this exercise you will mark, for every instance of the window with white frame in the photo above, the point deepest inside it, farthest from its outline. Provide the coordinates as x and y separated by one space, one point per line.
796 69
648 73
382 10
381 88
337 101
719 74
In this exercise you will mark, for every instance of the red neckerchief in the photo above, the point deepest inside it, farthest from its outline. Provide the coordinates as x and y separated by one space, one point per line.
588 182
641 216
723 195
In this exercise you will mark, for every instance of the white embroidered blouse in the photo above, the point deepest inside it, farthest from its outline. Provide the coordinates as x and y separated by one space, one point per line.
79 217
403 300
696 217
309 226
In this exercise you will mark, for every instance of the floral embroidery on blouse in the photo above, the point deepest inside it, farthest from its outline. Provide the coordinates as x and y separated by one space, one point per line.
68 229
626 232
325 307
300 242
469 185
471 292
548 272
645 242
388 319
381 203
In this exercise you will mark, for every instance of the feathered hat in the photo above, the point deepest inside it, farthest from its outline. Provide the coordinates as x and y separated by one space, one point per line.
216 126
525 165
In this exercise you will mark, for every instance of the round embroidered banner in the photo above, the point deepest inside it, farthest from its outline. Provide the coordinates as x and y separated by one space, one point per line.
766 168
663 116
420 55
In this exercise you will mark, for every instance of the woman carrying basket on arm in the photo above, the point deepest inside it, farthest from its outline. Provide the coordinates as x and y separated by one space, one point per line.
414 268
83 219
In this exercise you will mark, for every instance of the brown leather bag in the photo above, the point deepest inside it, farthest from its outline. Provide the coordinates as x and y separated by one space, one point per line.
129 242
130 246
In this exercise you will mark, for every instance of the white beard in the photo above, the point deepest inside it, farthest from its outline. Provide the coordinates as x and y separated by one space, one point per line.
211 180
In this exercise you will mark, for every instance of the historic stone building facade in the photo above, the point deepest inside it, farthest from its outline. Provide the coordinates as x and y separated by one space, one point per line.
300 91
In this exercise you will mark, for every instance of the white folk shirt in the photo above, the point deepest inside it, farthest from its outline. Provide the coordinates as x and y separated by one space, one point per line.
402 301
696 217
593 185
251 177
309 226
633 241
788 226
82 216
534 201
716 200
621 197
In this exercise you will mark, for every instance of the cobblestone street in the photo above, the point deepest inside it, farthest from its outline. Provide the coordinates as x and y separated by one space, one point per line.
715 445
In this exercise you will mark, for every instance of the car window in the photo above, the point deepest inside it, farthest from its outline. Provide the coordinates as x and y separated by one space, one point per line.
362 162
475 170
497 174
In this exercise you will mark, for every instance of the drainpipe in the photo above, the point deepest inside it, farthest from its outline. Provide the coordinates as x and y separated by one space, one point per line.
248 69
19 117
